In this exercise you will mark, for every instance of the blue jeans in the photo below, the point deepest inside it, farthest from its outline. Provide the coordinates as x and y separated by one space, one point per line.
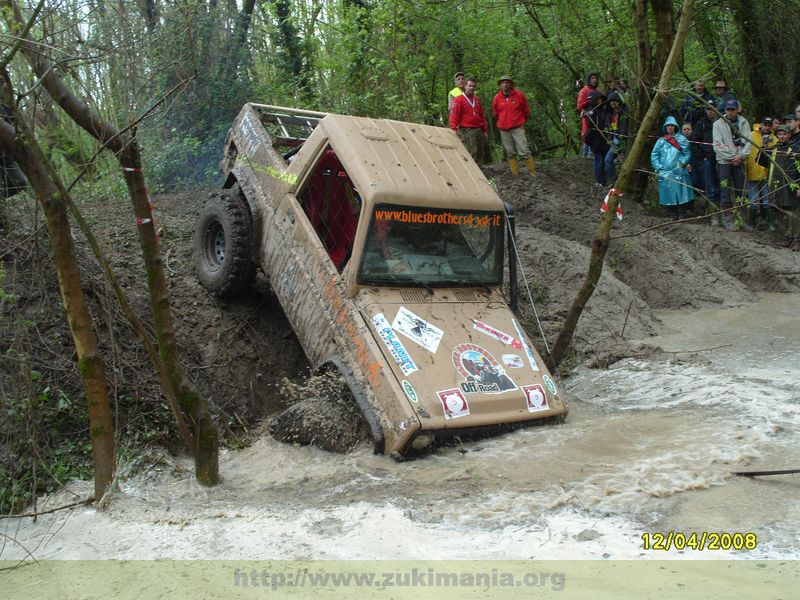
599 167
758 193
708 178
611 171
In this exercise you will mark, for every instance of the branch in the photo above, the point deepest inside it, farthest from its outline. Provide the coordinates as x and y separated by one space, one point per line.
25 31
50 510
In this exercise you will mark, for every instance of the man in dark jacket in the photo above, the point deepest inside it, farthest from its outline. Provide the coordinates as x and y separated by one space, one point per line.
782 164
615 124
703 149
722 94
594 118
12 180
694 108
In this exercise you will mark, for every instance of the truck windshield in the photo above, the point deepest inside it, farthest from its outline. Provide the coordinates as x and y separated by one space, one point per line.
421 246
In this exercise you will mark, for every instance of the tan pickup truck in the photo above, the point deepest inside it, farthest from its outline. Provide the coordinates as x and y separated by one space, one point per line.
384 243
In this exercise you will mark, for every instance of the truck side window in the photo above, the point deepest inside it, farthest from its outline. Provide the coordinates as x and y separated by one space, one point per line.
332 205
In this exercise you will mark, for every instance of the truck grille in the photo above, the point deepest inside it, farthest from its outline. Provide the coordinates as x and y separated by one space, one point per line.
413 296
463 296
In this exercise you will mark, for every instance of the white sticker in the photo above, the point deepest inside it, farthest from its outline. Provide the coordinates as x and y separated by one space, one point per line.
395 346
513 361
535 398
528 352
454 403
417 329
495 333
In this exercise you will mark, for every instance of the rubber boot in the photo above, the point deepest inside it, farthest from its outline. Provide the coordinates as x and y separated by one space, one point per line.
772 219
531 163
728 220
761 224
750 224
513 164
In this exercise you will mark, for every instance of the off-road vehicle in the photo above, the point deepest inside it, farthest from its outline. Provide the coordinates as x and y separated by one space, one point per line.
384 243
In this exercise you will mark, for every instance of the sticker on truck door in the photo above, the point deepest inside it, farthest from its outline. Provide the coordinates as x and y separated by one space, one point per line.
528 352
417 329
393 344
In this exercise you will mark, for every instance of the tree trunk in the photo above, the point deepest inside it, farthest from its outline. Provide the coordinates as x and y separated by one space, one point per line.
123 145
650 62
50 193
622 186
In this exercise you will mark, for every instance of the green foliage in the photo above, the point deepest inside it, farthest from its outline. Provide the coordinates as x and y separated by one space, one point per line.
385 59
5 297
45 443
184 161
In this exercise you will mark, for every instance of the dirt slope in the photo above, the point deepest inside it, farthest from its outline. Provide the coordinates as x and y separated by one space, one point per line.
685 265
240 352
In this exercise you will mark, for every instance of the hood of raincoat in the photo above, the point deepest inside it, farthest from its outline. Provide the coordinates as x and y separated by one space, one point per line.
671 121
615 96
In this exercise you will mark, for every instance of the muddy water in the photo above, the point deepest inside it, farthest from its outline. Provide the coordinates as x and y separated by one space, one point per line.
649 446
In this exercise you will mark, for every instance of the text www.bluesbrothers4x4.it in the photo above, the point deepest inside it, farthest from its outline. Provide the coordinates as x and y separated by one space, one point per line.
414 577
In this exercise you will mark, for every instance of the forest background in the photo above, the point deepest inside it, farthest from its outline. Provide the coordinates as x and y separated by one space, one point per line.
181 70
393 59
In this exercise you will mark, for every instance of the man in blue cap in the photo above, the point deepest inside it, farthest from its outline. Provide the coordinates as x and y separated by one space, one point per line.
732 147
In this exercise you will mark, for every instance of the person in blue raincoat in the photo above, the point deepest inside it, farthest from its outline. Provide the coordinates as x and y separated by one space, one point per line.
670 159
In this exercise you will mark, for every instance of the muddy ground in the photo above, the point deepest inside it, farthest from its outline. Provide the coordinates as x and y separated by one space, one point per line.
241 353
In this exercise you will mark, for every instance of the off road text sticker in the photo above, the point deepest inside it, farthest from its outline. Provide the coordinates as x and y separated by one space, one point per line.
535 398
417 329
528 352
454 403
394 345
483 374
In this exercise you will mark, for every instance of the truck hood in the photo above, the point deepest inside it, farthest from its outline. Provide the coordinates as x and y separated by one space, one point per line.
464 364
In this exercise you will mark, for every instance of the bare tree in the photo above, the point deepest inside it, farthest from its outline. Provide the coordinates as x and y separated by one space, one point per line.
622 185
123 144
19 142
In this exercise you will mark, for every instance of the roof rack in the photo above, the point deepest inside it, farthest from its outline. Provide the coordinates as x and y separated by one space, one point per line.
294 124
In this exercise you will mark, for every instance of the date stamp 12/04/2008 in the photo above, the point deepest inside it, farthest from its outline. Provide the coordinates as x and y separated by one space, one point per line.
703 540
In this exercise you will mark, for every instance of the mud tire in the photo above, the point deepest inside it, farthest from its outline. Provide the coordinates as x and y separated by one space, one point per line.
222 245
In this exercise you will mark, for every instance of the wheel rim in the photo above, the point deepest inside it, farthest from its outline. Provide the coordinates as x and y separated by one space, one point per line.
215 245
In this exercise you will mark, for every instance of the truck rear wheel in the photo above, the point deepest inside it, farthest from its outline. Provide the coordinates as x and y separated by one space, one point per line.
222 241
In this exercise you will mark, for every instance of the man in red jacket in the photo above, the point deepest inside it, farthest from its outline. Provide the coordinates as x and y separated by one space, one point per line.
467 120
511 111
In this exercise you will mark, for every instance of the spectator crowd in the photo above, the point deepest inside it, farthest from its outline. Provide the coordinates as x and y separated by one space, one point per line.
751 174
